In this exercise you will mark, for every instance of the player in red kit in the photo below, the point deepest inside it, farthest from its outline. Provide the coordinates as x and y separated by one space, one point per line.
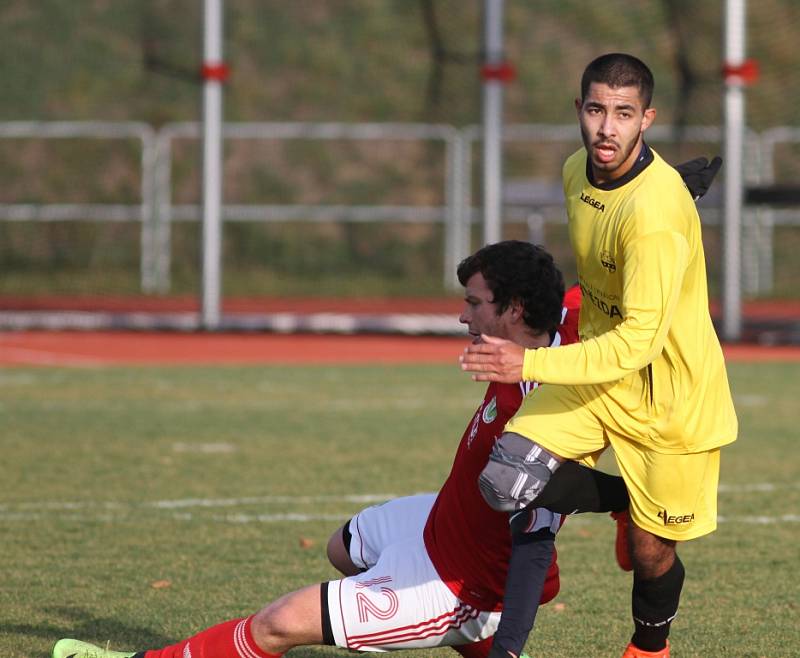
429 570
466 542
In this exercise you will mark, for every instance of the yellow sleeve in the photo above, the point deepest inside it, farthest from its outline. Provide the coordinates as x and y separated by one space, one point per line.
652 276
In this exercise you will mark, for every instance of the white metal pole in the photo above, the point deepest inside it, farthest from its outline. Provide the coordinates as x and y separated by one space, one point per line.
492 121
214 73
735 14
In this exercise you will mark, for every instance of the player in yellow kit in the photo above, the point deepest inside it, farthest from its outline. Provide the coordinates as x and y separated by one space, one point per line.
648 377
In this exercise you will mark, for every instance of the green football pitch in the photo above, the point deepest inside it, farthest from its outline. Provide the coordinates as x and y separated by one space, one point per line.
140 505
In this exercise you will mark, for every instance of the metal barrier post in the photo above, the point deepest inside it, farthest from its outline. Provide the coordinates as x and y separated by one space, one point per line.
149 273
457 228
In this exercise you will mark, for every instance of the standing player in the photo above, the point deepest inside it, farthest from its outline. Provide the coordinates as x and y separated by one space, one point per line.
427 571
648 377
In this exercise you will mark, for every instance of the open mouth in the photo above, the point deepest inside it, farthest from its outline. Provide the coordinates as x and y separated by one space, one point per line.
605 152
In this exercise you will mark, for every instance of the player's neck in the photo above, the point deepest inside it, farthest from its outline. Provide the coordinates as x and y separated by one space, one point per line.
532 341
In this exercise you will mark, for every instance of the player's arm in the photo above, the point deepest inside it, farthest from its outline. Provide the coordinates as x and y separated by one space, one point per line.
500 360
532 544
573 488
654 267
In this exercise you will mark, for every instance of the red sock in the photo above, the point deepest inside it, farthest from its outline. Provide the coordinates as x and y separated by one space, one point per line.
231 639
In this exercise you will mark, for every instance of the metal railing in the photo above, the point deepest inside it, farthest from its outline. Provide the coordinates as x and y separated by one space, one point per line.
156 211
56 212
452 213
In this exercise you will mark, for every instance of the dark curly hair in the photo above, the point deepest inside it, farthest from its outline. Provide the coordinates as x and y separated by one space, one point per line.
516 270
619 70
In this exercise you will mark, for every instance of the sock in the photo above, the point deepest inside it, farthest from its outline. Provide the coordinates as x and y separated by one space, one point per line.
655 604
577 488
231 639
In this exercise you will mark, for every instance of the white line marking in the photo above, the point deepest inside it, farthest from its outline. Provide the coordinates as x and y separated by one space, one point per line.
269 500
292 517
204 448
761 487
198 502
750 400
92 511
760 520
271 518
17 379
758 487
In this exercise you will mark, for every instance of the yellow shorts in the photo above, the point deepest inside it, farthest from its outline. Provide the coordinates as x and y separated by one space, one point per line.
672 495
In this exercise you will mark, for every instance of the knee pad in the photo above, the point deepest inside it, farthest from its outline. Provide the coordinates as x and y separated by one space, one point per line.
515 474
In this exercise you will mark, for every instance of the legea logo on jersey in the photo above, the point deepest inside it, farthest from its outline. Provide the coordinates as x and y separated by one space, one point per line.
490 411
594 203
607 261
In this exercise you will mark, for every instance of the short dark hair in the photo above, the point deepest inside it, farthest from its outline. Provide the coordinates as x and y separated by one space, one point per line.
619 70
520 271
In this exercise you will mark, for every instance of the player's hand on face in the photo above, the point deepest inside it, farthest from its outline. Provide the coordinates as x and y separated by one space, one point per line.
493 360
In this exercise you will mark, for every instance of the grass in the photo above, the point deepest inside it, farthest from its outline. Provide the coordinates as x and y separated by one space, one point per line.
88 550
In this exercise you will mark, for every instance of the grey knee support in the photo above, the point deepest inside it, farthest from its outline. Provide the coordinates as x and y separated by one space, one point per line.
516 472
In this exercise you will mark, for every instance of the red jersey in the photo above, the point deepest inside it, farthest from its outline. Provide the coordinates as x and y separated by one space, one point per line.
468 542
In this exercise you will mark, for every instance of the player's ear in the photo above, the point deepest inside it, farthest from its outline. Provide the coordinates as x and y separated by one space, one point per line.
578 105
517 311
648 118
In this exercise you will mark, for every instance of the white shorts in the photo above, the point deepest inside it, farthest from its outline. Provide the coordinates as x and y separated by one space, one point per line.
399 602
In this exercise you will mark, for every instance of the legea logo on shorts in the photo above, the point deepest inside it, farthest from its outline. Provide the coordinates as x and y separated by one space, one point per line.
670 519
490 411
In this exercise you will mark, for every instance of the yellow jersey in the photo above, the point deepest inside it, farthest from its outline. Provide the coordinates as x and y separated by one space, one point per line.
647 339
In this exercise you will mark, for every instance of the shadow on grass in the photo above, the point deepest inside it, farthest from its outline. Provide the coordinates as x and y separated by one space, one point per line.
77 623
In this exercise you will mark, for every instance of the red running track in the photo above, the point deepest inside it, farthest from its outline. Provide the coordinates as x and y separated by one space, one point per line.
95 349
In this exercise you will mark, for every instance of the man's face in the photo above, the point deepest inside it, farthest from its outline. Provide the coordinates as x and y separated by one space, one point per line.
480 311
612 121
